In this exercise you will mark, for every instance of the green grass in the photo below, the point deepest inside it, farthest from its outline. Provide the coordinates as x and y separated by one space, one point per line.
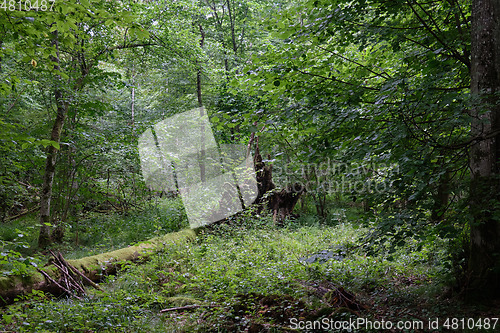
245 275
97 232
233 270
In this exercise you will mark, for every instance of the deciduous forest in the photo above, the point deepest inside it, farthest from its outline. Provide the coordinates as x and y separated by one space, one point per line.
342 175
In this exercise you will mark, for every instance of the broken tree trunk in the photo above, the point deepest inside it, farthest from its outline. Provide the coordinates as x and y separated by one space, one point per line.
264 177
93 267
281 203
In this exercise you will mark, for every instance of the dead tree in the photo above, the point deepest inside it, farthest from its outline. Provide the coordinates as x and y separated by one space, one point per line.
280 202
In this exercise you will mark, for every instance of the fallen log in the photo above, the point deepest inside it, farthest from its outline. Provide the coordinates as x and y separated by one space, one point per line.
94 268
26 212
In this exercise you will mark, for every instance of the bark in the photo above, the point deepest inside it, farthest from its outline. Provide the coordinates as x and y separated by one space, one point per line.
318 196
44 238
198 73
264 177
72 184
93 267
320 203
483 265
283 202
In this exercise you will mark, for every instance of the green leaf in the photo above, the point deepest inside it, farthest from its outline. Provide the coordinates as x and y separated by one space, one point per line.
45 143
7 319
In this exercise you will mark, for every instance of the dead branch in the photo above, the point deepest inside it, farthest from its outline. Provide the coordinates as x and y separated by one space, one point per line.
186 307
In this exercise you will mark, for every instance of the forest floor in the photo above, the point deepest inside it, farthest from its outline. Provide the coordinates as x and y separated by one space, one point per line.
252 276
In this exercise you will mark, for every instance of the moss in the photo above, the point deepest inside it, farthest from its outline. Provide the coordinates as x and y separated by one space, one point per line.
131 253
7 282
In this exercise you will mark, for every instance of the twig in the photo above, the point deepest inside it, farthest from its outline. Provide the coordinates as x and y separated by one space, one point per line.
92 283
75 270
74 282
15 101
31 210
69 279
57 284
188 307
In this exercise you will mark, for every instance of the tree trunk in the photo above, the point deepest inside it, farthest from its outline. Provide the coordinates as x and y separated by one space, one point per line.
264 177
132 103
231 24
202 111
483 266
71 184
281 203
132 108
198 73
1 45
44 239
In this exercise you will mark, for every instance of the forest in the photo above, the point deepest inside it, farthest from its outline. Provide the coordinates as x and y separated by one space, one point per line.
249 166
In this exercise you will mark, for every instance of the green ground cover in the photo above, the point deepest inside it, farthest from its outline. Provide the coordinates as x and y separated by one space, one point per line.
252 276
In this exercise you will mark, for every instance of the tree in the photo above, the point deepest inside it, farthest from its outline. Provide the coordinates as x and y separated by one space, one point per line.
44 238
389 81
484 262
391 85
78 34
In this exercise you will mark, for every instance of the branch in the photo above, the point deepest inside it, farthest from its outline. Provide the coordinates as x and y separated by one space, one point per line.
89 281
11 218
47 276
462 14
129 46
450 89
15 101
454 52
124 46
187 307
337 80
387 76
463 34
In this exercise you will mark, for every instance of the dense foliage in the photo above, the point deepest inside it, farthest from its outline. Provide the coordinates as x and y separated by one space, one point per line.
367 104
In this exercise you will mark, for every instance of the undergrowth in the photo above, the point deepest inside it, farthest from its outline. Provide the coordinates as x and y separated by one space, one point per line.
97 232
250 275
